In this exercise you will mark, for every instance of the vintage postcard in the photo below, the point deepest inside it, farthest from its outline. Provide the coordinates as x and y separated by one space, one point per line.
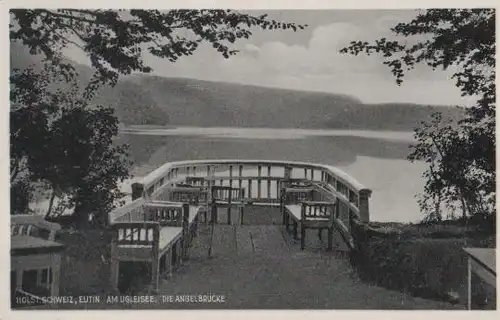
250 157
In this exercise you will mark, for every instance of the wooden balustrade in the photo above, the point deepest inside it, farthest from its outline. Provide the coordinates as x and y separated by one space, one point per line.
262 180
166 203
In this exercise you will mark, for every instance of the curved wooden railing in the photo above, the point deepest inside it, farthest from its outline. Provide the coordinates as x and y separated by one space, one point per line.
261 180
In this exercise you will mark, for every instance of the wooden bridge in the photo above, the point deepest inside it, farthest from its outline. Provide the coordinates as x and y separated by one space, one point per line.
264 234
169 204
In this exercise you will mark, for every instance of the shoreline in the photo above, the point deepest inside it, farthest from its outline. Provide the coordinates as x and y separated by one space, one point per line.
266 133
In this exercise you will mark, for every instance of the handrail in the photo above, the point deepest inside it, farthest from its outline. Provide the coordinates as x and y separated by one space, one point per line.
154 176
135 205
351 193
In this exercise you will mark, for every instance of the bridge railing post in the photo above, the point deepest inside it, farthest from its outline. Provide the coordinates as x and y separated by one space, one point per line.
137 190
288 173
364 204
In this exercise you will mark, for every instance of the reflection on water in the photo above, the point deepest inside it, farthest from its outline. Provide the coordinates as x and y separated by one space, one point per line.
334 150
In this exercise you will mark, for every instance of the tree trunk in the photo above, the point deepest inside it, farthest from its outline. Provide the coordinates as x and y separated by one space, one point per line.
464 208
51 204
438 206
80 217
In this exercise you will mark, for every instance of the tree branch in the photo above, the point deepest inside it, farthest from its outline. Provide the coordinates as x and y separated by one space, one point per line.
66 16
51 204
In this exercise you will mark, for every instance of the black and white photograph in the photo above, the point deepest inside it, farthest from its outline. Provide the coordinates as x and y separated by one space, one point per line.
235 158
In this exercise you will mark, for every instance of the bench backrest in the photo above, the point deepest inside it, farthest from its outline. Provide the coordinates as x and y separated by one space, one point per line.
33 225
167 213
136 233
317 209
191 195
226 193
294 183
296 194
197 181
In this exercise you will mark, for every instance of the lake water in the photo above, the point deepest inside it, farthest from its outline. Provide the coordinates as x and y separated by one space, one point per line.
377 159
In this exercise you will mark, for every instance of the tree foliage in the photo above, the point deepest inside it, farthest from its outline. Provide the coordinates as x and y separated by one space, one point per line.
58 140
114 40
63 145
461 156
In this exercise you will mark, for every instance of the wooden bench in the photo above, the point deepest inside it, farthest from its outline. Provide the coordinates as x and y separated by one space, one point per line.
311 215
196 197
175 214
192 195
161 239
297 195
194 210
34 251
198 182
33 225
227 197
294 194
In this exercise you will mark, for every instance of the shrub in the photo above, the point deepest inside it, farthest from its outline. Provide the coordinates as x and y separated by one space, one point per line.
426 261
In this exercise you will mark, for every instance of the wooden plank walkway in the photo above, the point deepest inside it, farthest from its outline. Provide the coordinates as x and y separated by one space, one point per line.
260 266
257 267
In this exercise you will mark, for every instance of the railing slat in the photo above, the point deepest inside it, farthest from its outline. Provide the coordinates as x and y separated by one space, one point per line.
350 193
240 173
231 176
269 182
259 174
250 194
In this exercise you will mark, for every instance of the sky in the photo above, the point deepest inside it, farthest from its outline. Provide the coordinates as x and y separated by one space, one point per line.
310 60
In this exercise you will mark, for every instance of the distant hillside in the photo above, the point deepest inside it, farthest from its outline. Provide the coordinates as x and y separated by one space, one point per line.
154 100
205 103
132 105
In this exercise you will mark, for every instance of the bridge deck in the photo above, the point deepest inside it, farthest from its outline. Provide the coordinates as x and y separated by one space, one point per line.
260 266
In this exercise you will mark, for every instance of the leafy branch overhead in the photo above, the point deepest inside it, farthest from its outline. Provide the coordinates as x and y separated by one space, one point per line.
461 38
461 157
114 39
62 144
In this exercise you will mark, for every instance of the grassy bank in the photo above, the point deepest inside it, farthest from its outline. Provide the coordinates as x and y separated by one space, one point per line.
423 260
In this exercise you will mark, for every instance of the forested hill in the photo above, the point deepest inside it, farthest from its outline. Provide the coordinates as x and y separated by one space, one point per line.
146 99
